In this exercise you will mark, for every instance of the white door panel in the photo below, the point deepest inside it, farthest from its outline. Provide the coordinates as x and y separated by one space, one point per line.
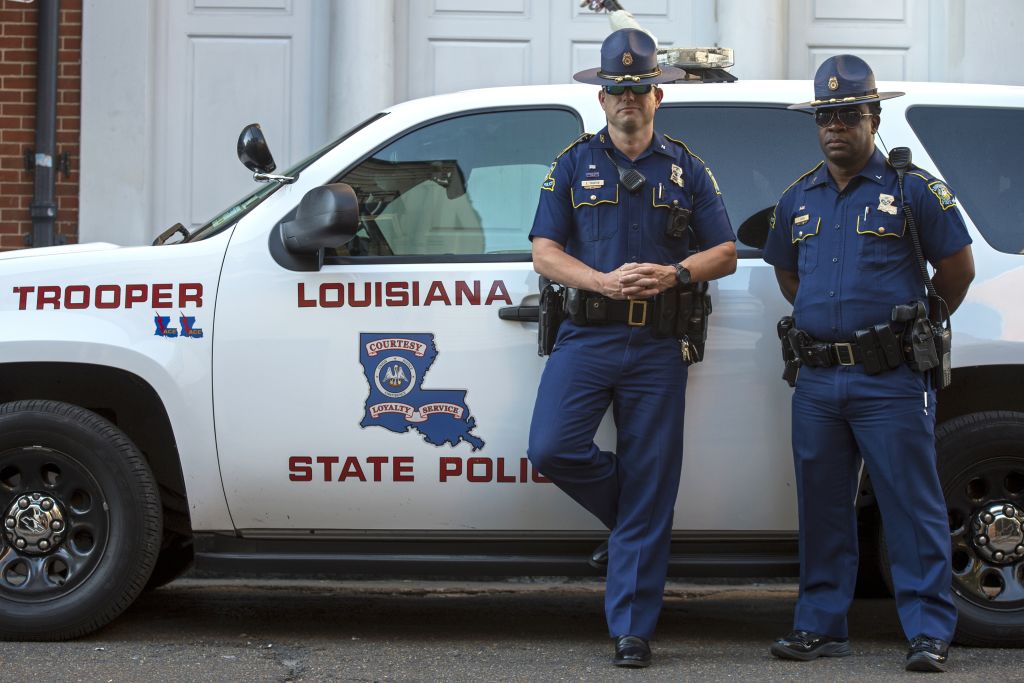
522 43
223 64
893 37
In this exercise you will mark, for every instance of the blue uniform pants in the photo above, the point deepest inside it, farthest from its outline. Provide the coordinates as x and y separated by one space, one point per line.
839 415
633 490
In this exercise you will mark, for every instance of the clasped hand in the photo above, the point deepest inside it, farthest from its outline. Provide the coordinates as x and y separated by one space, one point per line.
638 280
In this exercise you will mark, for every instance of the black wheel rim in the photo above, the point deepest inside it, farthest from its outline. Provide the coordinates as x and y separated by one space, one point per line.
42 576
977 578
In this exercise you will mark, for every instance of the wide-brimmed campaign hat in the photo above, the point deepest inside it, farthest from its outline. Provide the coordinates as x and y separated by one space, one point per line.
629 57
842 81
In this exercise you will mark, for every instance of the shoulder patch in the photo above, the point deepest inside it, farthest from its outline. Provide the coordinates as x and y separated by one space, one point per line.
942 193
714 182
549 179
583 138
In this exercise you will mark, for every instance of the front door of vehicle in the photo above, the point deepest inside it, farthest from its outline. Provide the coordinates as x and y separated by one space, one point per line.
384 391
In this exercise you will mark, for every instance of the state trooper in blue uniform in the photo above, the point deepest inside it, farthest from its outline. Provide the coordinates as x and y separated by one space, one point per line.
622 241
844 257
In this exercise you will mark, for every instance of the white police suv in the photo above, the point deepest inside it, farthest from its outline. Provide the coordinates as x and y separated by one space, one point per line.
337 373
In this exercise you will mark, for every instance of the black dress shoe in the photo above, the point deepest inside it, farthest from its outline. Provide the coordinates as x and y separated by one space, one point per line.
927 654
807 645
599 558
632 651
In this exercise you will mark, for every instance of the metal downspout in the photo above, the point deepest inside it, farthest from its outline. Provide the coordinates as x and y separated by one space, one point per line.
43 208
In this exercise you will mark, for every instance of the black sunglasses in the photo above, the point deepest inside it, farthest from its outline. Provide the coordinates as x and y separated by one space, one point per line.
847 117
635 89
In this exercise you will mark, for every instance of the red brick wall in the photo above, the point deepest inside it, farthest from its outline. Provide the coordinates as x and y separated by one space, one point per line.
18 30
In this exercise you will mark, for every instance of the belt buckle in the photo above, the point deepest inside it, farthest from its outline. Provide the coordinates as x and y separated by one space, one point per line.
634 319
844 349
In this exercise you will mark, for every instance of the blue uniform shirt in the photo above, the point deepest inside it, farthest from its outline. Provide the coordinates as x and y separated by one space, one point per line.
584 208
852 249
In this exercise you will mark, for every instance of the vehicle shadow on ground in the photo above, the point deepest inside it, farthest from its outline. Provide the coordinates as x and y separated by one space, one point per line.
449 611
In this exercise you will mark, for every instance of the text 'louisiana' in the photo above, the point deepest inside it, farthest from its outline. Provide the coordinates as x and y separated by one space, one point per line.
365 294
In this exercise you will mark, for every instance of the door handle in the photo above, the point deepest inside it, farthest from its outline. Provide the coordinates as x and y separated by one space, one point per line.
523 314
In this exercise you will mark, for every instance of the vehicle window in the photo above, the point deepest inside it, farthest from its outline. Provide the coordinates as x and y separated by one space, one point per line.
755 152
465 186
234 213
975 150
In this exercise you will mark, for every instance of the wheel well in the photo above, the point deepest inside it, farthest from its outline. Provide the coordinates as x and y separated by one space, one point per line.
974 389
122 398
982 387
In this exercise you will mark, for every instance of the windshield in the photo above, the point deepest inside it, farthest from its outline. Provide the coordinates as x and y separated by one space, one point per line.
234 213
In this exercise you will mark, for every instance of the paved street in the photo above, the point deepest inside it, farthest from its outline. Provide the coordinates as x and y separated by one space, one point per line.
516 630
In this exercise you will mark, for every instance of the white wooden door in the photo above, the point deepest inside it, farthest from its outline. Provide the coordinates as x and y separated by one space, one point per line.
222 64
890 35
460 44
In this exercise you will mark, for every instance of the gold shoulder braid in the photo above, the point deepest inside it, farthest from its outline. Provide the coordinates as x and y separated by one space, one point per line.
582 138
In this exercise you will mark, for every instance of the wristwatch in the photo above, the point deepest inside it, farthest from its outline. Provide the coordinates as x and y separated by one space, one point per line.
682 274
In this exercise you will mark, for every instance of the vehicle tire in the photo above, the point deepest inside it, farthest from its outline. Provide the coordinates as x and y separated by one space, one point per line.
81 521
981 467
175 558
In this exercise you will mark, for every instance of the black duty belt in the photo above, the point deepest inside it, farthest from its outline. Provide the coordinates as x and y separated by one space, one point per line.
878 348
634 312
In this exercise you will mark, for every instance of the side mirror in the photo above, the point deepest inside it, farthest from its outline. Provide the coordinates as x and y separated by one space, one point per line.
754 231
327 216
253 151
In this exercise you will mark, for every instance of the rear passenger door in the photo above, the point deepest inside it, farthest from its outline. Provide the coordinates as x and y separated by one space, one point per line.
737 467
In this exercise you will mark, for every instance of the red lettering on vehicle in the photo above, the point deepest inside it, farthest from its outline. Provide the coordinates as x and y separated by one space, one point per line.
190 292
498 293
328 461
48 296
161 296
76 297
379 294
299 468
450 467
351 468
108 296
23 293
79 297
135 294
403 469
396 293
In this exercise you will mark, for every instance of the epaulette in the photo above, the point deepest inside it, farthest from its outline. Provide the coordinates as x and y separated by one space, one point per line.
816 167
771 221
685 148
582 138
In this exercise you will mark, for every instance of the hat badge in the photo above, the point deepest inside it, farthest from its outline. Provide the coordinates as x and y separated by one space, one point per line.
627 59
833 83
